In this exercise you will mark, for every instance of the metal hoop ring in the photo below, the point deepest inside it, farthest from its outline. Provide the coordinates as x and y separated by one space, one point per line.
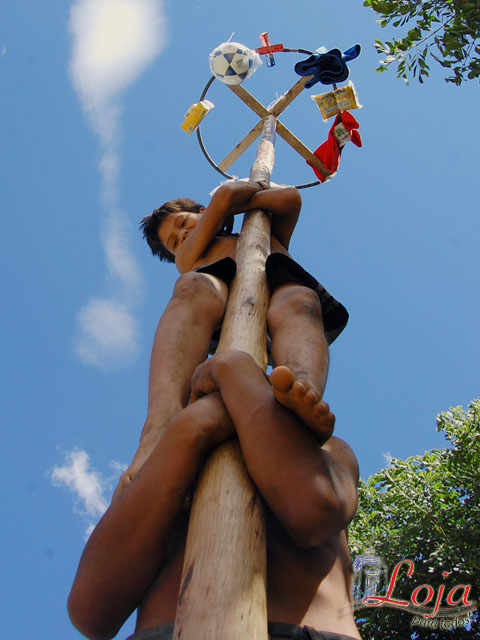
213 163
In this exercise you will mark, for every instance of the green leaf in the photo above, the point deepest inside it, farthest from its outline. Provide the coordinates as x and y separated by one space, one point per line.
450 27
414 34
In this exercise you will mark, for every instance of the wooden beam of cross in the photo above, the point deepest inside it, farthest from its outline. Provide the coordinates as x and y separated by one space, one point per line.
280 105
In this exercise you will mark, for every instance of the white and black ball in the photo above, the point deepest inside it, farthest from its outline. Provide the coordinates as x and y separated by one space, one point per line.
232 62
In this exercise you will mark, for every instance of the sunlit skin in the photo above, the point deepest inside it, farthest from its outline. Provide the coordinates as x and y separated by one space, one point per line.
204 247
301 396
175 229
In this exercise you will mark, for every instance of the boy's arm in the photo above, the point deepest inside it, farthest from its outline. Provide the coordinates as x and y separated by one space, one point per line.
311 489
127 547
229 199
284 205
237 197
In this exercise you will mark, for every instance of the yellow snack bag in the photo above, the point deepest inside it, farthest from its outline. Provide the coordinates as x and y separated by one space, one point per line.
340 99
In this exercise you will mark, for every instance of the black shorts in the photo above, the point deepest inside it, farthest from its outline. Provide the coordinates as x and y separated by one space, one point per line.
275 630
281 269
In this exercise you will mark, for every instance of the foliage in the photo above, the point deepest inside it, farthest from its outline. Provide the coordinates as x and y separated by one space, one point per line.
425 508
447 30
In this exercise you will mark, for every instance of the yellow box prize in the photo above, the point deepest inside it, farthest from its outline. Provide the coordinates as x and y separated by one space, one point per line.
333 102
195 115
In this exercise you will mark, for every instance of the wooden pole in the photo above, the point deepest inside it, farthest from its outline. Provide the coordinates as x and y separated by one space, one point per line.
223 588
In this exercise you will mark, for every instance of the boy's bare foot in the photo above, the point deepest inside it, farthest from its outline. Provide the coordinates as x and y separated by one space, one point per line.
301 398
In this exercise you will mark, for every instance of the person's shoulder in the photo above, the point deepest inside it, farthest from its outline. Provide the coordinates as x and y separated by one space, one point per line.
343 454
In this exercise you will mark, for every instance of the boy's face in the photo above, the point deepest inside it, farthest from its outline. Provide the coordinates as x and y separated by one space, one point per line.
175 228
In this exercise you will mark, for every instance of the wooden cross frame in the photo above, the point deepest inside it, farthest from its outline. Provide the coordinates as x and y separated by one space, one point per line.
280 105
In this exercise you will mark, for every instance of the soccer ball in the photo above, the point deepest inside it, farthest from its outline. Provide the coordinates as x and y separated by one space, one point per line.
232 62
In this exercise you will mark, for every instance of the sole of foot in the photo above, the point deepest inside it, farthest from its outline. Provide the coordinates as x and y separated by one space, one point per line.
303 399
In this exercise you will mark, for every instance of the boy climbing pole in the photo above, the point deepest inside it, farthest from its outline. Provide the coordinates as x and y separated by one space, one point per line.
303 318
284 429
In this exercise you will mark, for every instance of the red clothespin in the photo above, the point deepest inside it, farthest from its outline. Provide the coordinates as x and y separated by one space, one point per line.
268 49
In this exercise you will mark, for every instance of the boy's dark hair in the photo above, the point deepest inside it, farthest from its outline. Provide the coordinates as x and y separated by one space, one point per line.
149 224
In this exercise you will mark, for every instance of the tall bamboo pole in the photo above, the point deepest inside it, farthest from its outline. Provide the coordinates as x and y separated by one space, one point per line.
223 588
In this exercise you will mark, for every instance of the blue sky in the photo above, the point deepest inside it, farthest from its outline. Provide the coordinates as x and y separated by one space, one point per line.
93 94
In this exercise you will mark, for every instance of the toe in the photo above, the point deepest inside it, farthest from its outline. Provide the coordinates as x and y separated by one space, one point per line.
322 408
312 397
300 388
282 379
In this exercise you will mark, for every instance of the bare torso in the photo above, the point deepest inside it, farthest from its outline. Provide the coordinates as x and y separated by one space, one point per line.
226 246
304 586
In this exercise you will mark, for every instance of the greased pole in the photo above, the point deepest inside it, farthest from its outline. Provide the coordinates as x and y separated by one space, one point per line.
223 588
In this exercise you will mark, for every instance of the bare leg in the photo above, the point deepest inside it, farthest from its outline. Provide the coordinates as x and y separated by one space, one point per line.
298 342
180 345
273 440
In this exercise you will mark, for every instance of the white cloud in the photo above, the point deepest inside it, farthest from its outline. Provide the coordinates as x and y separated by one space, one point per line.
387 457
113 42
120 263
88 486
108 334
118 467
